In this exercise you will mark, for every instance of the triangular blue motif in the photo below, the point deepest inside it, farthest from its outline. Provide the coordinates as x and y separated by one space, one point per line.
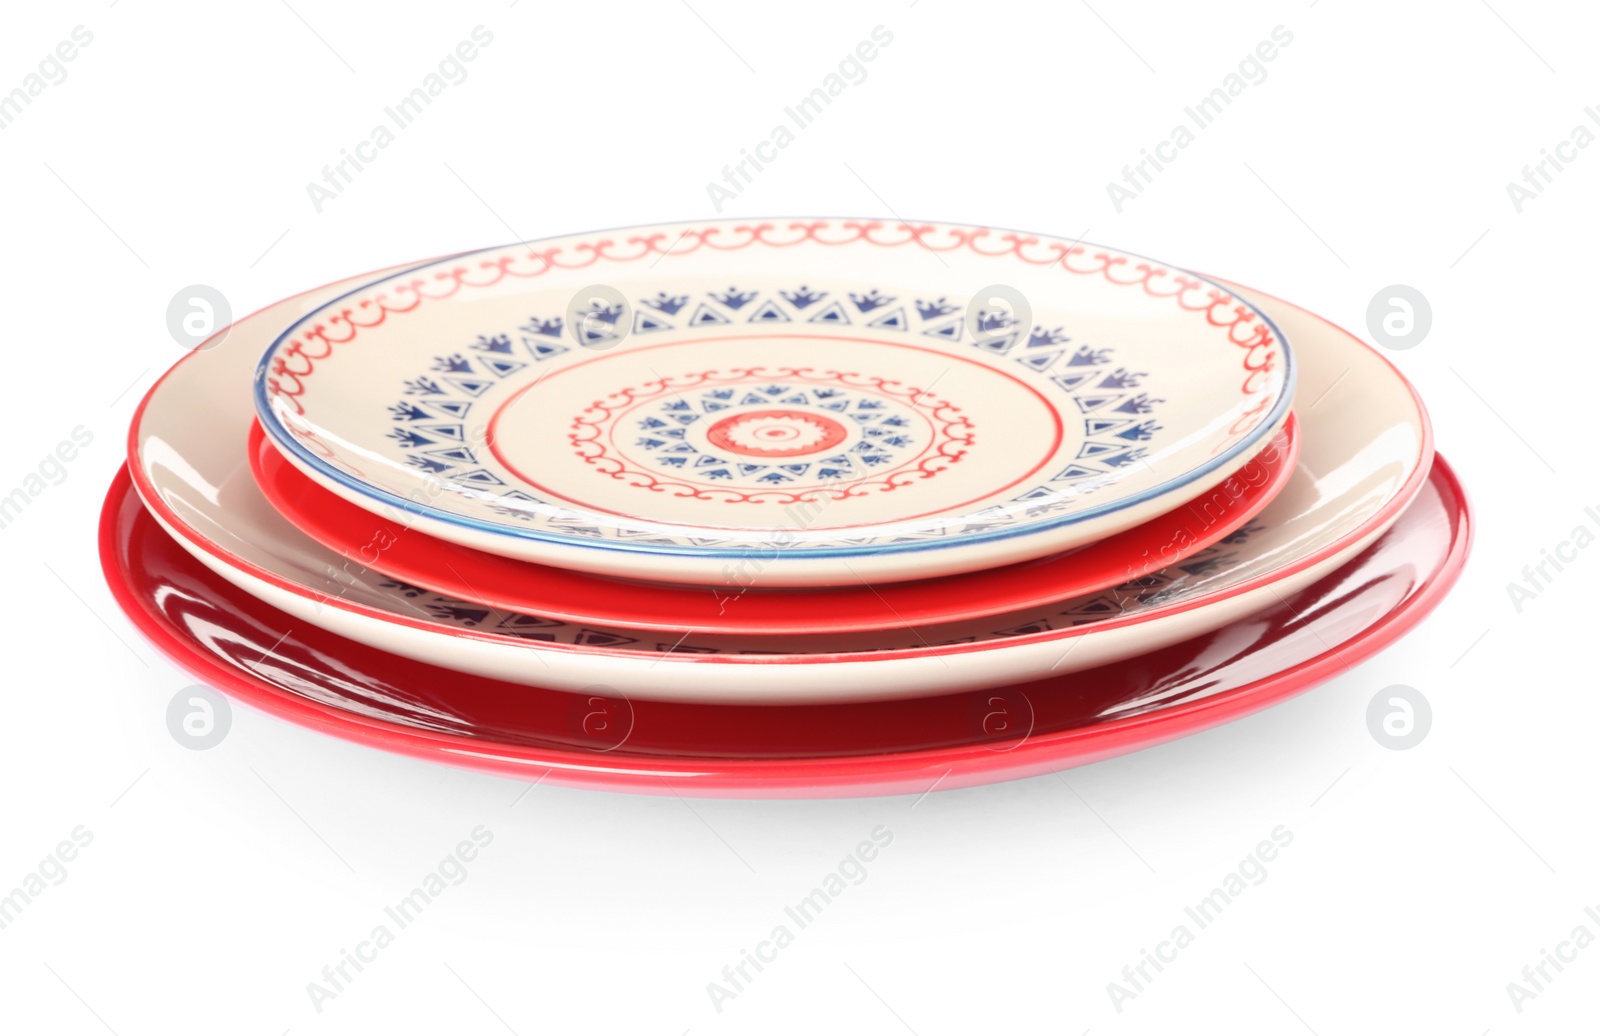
1001 344
1040 361
833 314
893 321
1101 425
644 323
499 367
704 315
542 350
453 407
769 313
1071 382
1091 403
471 386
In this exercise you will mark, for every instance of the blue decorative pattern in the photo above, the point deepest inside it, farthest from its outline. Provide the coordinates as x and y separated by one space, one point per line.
1117 418
880 435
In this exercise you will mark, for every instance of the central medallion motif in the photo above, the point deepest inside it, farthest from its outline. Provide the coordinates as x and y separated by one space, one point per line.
776 433
745 436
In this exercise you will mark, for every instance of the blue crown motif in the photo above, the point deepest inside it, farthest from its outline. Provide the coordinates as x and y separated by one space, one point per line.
1122 378
1087 357
1140 404
1124 459
428 464
604 314
408 438
1039 336
551 327
734 298
404 411
996 321
1141 432
929 310
497 344
870 301
452 364
804 297
668 304
423 387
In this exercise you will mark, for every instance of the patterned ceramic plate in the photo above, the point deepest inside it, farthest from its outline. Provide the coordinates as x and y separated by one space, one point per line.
290 669
782 403
451 570
1366 448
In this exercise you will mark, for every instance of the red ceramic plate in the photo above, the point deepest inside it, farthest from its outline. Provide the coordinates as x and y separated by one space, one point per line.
263 658
414 557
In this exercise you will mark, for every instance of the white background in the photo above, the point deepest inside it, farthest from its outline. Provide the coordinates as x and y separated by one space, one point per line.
219 883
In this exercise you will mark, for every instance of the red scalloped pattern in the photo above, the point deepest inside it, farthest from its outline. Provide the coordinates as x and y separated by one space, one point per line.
296 361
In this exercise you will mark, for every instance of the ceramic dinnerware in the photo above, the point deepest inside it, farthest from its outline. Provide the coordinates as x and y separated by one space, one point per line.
1366 447
392 547
274 662
788 403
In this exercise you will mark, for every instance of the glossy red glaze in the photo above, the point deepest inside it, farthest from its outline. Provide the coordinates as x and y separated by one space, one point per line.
415 557
263 658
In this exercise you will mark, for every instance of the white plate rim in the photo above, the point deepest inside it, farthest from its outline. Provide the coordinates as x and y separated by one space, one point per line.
860 668
373 497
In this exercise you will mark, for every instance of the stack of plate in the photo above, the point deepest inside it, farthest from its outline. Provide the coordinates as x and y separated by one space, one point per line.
782 508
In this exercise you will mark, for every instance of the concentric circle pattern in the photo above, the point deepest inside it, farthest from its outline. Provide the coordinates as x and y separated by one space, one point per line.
813 386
